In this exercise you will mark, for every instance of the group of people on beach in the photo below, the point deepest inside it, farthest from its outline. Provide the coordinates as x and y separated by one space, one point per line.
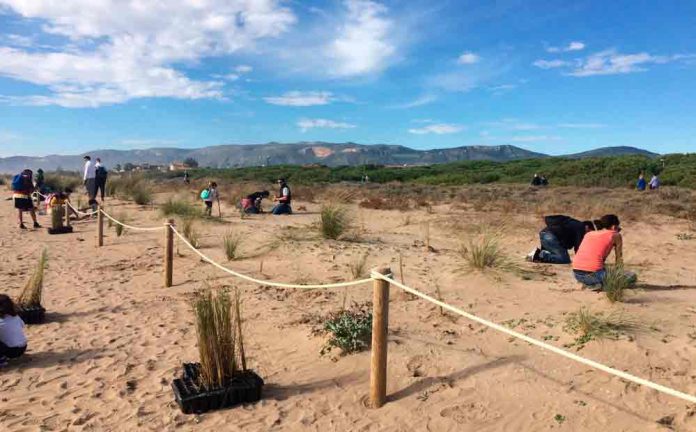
252 203
592 242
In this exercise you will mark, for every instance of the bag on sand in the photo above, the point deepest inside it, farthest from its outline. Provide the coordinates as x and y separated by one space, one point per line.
205 194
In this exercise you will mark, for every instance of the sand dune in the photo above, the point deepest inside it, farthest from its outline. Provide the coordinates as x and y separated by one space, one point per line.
115 338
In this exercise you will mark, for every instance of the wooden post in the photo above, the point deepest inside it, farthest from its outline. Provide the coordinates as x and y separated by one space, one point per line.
380 325
100 227
67 214
168 254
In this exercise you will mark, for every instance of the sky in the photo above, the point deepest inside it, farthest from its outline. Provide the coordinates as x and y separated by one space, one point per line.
548 76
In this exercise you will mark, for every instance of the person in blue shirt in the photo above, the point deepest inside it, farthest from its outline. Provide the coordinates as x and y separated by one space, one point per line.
642 184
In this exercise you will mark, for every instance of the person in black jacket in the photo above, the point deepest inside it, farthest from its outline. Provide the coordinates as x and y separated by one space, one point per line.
560 234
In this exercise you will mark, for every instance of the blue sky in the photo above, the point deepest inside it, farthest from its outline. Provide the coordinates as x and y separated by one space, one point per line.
549 76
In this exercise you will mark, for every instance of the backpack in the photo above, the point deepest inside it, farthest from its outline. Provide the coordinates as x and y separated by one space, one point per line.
205 194
101 172
19 183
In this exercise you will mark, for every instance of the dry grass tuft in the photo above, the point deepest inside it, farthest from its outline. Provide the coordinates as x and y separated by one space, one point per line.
334 221
589 326
31 294
190 232
120 229
485 252
231 242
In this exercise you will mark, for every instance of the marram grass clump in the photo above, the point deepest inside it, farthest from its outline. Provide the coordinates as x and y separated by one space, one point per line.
190 232
485 252
219 333
231 243
33 289
334 221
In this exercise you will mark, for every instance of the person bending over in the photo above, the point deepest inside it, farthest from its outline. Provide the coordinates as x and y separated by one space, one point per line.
284 199
589 264
251 204
560 234
13 342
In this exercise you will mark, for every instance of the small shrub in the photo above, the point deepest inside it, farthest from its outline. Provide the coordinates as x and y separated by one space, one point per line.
33 289
179 207
589 326
334 221
189 231
118 228
616 282
485 252
58 182
231 243
358 266
349 330
142 195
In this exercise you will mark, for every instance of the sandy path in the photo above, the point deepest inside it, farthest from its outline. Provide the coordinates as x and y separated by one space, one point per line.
115 338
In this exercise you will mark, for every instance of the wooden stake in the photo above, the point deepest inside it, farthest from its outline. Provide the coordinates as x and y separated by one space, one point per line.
380 326
168 254
100 227
67 214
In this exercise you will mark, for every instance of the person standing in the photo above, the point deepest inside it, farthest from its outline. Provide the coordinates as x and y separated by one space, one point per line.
22 188
654 182
209 196
641 184
90 181
100 176
284 199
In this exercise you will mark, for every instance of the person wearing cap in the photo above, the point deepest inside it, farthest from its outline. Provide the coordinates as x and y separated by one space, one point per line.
284 199
90 180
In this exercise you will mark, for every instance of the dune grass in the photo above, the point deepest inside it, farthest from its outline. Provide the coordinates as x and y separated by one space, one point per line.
616 283
485 252
142 195
334 221
231 242
219 334
118 228
190 232
589 326
33 289
180 207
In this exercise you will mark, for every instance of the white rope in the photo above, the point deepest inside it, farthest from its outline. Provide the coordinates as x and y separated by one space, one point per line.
577 358
266 282
93 212
134 228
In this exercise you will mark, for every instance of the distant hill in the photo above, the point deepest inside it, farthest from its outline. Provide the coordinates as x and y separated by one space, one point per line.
612 151
303 153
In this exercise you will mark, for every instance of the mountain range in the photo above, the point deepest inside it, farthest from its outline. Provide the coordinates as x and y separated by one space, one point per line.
303 153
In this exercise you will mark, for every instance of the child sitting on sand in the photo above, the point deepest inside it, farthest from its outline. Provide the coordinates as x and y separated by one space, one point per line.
13 342
588 265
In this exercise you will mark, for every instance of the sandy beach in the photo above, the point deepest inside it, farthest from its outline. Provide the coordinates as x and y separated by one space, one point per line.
115 338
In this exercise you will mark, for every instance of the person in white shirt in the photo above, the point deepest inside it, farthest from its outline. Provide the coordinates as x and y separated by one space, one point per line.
13 341
90 180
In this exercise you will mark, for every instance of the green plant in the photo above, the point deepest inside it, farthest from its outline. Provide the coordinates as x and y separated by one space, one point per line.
219 334
616 282
189 231
231 242
33 289
485 252
349 330
334 221
179 207
358 266
118 228
142 194
589 326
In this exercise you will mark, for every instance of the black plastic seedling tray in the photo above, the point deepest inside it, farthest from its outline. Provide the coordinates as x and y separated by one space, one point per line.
61 230
192 398
31 314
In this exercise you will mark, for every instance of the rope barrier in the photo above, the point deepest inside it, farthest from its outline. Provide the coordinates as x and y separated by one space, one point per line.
556 350
266 282
93 212
157 228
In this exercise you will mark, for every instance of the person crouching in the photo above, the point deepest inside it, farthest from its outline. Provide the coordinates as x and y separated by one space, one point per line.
251 204
560 234
13 341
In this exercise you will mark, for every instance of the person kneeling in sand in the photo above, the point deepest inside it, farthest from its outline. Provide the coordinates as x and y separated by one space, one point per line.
560 234
13 341
251 204
588 265
284 199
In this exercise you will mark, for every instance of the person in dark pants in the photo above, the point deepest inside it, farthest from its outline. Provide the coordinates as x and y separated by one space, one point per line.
22 189
13 341
251 204
100 178
284 199
560 234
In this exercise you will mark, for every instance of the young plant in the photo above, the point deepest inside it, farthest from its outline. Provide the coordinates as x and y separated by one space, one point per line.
219 333
589 326
31 294
350 330
231 242
485 252
189 231
179 207
334 221
120 229
616 282
141 194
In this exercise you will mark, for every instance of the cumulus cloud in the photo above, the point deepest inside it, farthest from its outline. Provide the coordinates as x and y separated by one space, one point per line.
308 124
468 58
301 99
573 46
437 129
116 51
362 45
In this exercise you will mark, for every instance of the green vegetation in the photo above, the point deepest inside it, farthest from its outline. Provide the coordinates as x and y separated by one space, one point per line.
231 243
619 171
190 232
350 330
132 187
589 326
485 252
334 221
616 282
180 207
31 294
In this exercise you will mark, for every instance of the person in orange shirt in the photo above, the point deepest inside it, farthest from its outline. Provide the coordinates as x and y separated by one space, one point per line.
589 263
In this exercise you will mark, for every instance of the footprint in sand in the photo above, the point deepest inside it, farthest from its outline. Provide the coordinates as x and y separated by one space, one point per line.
473 412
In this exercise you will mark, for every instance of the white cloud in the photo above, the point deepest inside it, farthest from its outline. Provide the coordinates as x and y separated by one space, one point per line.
535 138
301 99
308 124
419 101
573 46
117 51
243 69
610 62
582 125
438 129
551 64
468 58
362 45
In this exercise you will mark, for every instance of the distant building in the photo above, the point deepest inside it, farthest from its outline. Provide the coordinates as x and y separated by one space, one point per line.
177 166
